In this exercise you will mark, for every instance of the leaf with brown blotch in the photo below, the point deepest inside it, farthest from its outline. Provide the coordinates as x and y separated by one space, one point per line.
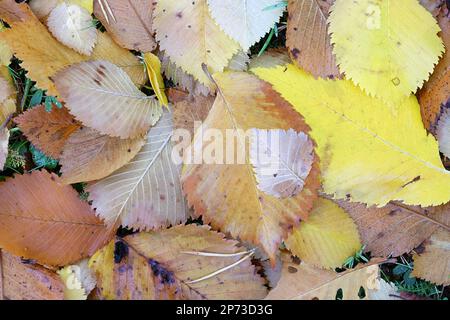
184 262
227 195
396 228
433 264
145 194
43 55
128 21
189 110
435 92
20 280
48 131
43 220
300 281
102 96
88 155
307 37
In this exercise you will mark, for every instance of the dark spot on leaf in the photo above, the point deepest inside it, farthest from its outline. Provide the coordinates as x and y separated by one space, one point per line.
166 276
295 52
292 269
120 251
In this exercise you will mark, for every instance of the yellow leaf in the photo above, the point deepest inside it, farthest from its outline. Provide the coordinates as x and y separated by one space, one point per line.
153 66
202 39
87 4
327 238
388 47
5 51
78 281
183 262
368 152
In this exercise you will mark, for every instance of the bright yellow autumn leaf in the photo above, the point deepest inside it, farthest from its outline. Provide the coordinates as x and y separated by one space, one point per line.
388 47
327 238
369 152
153 66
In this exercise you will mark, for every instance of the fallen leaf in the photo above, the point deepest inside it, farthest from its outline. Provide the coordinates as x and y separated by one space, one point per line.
73 26
388 48
443 132
226 195
304 282
307 37
4 143
364 159
434 263
396 228
43 220
48 131
184 262
102 96
128 21
190 110
78 281
89 155
146 193
153 66
327 238
24 281
43 55
203 41
245 21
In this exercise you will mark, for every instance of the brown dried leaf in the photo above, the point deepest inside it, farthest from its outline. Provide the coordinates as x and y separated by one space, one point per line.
433 264
128 21
186 112
48 131
307 37
395 229
174 264
43 55
88 155
435 92
44 220
24 281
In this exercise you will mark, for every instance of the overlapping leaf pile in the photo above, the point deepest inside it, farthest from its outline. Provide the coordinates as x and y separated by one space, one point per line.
358 163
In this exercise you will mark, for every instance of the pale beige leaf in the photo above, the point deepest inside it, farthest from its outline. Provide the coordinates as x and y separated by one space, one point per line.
169 265
146 193
443 132
4 143
304 282
395 229
327 238
307 37
282 160
128 21
42 8
78 280
103 97
433 264
270 59
203 41
89 155
73 26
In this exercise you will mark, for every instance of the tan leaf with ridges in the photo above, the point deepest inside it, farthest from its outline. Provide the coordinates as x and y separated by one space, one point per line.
102 96
304 282
44 220
43 55
128 21
396 228
184 262
146 193
307 37
203 40
48 131
89 155
327 238
26 281
227 195
433 264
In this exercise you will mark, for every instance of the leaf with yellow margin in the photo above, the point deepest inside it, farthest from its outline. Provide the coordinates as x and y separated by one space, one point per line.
202 39
369 152
224 189
327 238
184 262
153 66
387 47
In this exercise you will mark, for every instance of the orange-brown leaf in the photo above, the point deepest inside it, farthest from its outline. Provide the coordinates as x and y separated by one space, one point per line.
23 281
43 220
48 131
307 37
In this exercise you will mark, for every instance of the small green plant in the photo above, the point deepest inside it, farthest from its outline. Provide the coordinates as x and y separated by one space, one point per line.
358 257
